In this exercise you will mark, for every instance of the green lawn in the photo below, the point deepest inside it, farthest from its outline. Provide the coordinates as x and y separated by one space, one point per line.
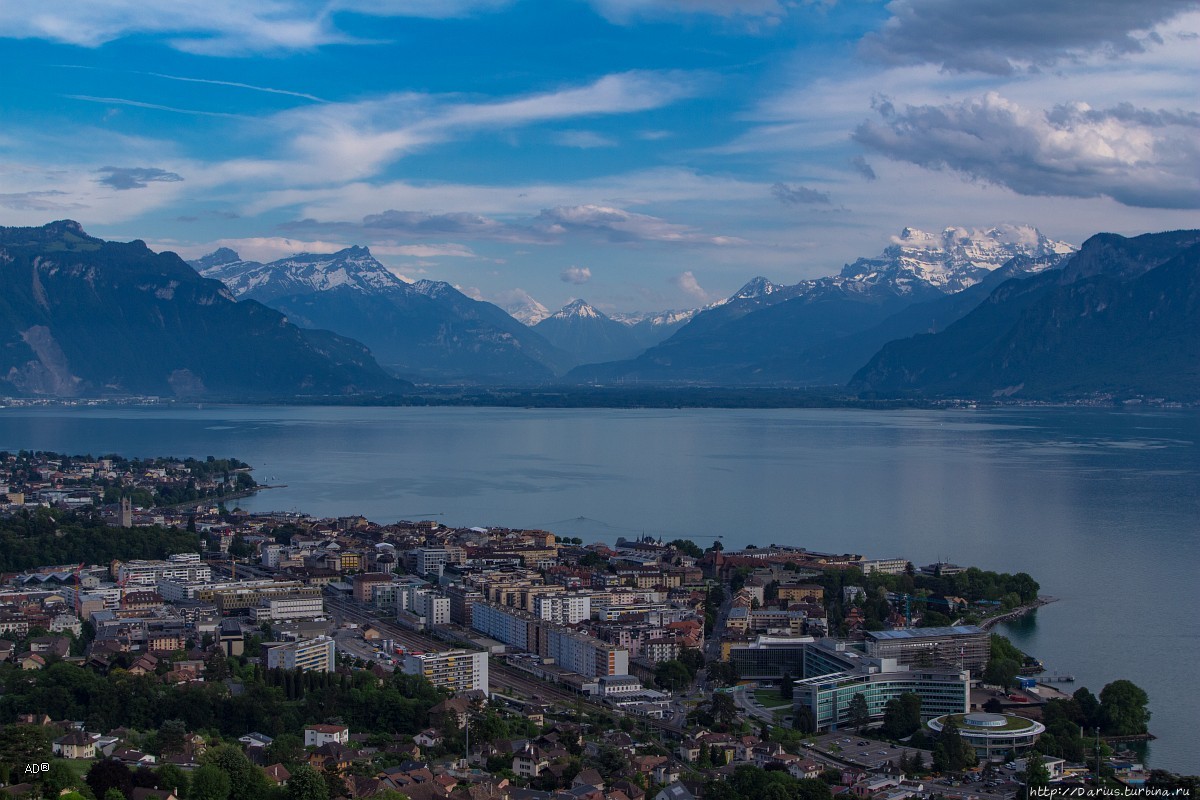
79 766
769 698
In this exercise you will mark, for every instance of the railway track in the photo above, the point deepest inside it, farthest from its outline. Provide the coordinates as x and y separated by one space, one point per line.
500 675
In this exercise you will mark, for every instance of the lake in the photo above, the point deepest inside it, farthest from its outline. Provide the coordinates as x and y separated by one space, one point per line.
1101 506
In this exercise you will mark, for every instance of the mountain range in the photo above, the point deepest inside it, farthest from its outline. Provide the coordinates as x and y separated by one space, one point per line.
1122 317
820 331
589 335
80 316
993 313
426 331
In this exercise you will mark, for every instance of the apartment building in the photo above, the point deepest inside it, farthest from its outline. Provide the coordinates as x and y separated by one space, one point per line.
307 655
457 670
562 608
182 566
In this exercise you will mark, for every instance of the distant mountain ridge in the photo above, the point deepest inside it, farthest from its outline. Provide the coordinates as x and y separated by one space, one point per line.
427 330
756 335
588 335
81 316
1122 317
352 268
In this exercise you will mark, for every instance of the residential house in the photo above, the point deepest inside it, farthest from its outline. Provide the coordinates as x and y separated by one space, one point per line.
317 735
331 757
142 793
676 791
277 774
76 744
529 762
430 737
588 777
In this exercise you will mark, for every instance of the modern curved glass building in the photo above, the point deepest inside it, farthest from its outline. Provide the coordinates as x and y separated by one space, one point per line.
994 736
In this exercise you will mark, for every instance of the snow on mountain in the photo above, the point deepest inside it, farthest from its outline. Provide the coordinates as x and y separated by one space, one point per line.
434 289
950 261
756 288
577 309
654 318
588 334
527 310
353 268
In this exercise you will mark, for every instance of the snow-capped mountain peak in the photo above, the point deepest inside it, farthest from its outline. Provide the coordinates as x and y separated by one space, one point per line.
951 260
654 318
527 310
434 289
217 258
353 268
577 309
755 288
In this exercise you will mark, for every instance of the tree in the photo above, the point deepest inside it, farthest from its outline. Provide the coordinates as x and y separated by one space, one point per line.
58 778
170 737
723 708
287 749
247 781
786 687
687 546
859 713
804 721
216 667
114 794
210 783
957 753
23 744
306 784
172 778
723 672
1001 672
109 774
672 675
1123 709
1088 708
1035 775
902 716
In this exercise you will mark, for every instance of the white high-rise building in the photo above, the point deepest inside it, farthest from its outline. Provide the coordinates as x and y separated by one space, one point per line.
458 670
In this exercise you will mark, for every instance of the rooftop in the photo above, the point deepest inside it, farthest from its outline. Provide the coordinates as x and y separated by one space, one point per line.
920 633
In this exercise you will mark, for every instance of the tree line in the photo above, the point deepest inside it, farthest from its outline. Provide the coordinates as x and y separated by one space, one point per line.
37 537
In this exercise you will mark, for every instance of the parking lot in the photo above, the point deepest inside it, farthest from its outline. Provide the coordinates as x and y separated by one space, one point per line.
873 755
865 752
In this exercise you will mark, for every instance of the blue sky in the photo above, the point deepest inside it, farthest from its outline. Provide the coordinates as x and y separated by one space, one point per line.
643 154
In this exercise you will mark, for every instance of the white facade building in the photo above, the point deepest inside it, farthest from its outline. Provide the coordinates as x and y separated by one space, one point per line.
458 670
565 609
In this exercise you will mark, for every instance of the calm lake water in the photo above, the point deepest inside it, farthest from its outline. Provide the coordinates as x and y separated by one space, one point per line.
1102 507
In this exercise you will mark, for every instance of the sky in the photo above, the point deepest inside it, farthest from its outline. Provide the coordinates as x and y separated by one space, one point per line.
642 154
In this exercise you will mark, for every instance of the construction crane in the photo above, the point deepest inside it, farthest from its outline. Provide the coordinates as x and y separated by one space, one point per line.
908 598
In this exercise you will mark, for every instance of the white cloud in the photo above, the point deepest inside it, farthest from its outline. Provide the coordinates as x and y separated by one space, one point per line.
617 224
212 27
1138 157
255 248
576 275
339 142
686 282
584 140
445 201
627 11
424 250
